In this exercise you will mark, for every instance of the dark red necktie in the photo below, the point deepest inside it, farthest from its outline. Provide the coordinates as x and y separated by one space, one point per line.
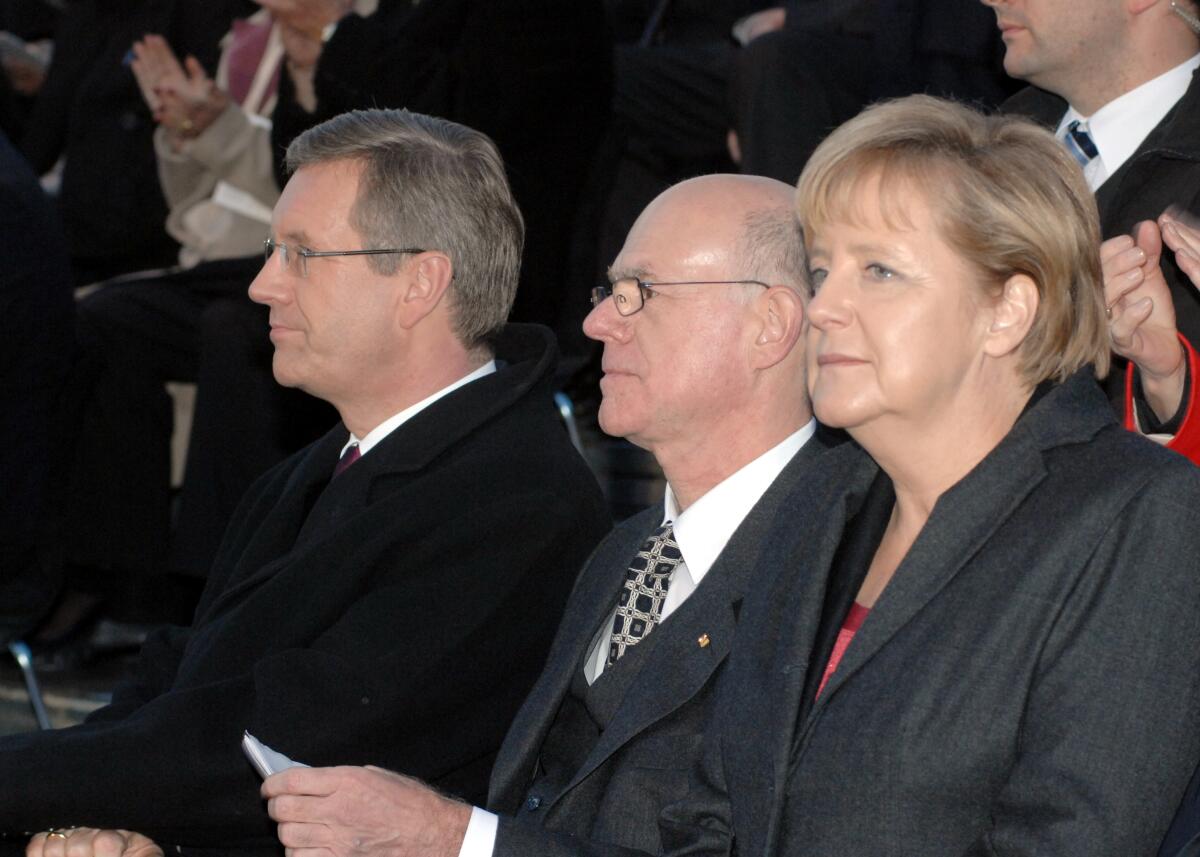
350 456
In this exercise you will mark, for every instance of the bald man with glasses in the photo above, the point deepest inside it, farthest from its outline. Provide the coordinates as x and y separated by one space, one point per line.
703 367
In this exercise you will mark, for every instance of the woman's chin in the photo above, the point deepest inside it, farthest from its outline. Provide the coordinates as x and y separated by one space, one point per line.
839 413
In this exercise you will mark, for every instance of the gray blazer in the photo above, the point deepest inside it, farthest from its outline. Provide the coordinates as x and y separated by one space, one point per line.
653 741
1028 683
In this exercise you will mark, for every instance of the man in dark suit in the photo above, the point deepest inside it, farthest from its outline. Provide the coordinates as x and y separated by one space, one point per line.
390 591
533 77
702 368
1129 79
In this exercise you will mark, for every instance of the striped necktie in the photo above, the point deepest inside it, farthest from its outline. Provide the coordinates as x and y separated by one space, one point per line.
1079 143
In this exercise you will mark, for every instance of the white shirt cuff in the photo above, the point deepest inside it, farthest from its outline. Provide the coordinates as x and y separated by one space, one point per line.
480 839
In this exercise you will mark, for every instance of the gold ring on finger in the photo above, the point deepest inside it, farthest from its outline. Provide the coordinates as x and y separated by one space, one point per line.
52 834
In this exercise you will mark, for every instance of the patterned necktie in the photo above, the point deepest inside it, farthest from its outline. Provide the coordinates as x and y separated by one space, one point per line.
350 456
646 583
1079 143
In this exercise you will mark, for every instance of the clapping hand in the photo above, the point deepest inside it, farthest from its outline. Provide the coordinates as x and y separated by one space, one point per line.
183 98
1181 233
1142 314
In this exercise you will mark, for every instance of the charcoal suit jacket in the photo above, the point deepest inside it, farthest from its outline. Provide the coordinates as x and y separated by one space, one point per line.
650 745
1027 684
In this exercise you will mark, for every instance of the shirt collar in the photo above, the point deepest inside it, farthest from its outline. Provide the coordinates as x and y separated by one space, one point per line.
394 422
1120 126
702 530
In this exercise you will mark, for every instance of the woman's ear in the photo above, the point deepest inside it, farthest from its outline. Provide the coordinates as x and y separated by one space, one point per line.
1012 315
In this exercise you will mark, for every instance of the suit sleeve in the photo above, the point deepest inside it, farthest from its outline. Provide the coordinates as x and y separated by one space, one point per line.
1110 739
411 675
156 667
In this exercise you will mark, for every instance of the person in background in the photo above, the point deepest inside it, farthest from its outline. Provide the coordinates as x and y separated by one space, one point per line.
1117 83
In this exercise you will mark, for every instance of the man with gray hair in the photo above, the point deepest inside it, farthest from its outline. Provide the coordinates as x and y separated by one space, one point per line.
702 329
390 592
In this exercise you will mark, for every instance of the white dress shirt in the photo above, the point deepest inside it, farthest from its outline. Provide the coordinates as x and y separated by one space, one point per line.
1120 126
395 421
701 531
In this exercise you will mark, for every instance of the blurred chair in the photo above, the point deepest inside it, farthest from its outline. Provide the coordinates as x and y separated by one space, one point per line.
20 651
566 410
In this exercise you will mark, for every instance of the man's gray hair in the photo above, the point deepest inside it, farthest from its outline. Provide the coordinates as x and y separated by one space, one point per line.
434 184
771 248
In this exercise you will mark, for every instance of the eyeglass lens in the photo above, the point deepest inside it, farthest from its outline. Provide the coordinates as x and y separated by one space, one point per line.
626 295
293 261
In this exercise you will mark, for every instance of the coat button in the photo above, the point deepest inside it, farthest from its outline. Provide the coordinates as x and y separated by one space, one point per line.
532 802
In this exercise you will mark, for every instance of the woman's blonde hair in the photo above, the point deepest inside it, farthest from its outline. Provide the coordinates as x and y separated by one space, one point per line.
1008 198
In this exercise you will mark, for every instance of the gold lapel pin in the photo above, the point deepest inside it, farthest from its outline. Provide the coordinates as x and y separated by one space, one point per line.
703 641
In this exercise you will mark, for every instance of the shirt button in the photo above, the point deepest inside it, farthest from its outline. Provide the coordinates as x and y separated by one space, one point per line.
532 802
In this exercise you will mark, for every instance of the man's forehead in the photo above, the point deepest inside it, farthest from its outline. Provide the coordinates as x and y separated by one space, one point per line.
622 272
317 199
673 260
666 248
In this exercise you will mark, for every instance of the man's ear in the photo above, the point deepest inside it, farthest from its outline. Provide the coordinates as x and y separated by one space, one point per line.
1012 315
425 284
779 315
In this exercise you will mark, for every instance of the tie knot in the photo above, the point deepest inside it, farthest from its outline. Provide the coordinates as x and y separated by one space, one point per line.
1080 143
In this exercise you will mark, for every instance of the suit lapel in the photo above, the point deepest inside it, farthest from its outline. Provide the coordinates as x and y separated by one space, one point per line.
784 614
276 534
311 508
589 605
770 698
962 521
678 666
849 568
